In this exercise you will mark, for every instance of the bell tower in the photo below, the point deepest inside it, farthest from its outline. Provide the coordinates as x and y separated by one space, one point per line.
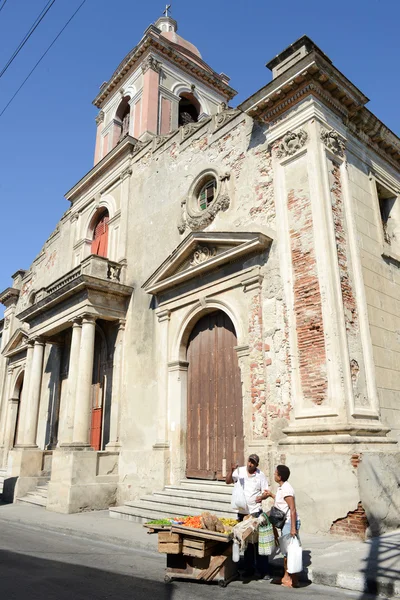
161 84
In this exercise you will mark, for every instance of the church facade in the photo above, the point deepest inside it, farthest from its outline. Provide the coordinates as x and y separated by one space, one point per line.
225 281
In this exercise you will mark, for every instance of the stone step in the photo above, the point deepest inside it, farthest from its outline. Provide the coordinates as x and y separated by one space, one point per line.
201 503
36 500
139 514
152 508
196 495
212 487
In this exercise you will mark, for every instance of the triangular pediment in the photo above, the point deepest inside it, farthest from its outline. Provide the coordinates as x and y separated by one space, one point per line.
201 252
16 343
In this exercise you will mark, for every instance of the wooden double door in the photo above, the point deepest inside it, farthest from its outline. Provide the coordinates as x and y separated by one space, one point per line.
215 408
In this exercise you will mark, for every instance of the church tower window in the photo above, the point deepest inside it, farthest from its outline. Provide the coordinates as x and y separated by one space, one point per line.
207 194
123 117
100 235
189 109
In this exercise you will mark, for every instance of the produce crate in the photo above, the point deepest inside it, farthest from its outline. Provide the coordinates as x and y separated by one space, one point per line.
197 554
169 543
217 567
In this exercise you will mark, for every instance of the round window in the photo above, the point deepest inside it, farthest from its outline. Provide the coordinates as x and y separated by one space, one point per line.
207 194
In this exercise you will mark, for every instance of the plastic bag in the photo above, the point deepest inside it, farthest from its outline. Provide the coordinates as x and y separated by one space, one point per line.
266 540
239 501
294 556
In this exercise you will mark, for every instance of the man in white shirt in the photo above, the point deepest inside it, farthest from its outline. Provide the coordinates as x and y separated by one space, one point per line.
255 486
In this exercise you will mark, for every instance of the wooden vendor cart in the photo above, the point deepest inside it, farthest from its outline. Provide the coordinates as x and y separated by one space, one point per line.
197 554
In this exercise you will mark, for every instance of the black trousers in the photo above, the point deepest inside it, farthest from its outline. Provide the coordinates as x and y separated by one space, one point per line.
252 561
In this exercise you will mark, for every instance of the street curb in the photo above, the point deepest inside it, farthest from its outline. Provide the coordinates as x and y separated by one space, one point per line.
356 582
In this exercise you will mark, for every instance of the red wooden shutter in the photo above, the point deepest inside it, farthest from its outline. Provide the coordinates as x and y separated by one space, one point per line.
100 237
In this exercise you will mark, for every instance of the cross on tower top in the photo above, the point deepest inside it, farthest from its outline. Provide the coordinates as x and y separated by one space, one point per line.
167 8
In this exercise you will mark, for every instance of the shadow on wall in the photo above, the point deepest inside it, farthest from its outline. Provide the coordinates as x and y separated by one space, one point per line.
380 481
25 576
257 137
382 567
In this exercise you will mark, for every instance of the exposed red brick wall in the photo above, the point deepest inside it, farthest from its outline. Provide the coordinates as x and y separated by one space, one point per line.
307 299
341 246
354 525
257 373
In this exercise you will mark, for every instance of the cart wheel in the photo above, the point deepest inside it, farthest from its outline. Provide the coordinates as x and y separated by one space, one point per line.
222 583
167 579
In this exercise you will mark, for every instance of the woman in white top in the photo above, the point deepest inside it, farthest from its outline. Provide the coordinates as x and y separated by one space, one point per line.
285 501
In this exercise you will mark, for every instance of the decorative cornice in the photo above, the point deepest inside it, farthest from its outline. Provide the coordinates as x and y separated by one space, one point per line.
333 141
190 128
291 142
153 40
150 62
9 296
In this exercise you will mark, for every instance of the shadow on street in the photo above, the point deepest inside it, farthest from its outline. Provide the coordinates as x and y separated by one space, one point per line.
23 576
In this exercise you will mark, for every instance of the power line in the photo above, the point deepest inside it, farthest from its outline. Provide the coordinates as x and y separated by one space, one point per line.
42 57
22 43
2 6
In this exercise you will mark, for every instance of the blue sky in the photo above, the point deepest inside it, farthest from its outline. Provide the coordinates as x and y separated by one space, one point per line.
48 132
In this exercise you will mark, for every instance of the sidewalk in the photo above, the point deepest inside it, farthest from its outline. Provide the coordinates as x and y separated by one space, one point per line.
373 566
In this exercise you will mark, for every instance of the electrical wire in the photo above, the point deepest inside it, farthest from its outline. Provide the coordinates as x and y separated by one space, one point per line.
42 57
22 43
3 5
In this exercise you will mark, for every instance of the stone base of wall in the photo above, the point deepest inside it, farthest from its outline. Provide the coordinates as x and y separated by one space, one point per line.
348 494
82 480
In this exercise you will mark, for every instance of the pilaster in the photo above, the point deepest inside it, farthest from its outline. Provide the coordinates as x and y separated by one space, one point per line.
151 78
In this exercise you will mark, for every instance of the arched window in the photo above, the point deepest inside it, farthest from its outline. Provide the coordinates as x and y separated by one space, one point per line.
123 116
100 235
189 109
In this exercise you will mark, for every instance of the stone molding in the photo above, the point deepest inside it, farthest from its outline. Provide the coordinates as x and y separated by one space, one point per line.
292 142
190 128
125 173
242 351
333 141
196 221
253 283
164 315
224 115
159 140
100 117
150 62
201 254
178 365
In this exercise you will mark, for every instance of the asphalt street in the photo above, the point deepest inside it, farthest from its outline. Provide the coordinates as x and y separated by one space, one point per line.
38 565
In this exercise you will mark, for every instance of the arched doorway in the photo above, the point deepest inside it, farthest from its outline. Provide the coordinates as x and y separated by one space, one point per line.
214 409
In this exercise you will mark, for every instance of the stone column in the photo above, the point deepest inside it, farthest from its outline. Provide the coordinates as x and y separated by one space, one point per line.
23 409
67 427
83 398
118 362
35 382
